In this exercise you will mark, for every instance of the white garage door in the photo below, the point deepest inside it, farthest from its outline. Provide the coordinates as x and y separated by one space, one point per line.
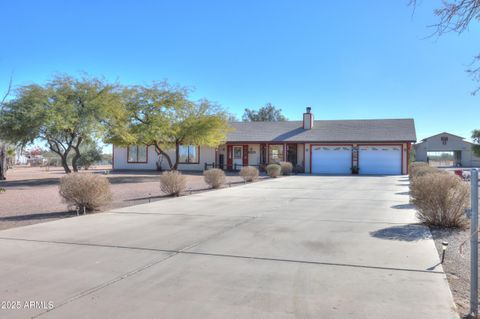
380 160
331 159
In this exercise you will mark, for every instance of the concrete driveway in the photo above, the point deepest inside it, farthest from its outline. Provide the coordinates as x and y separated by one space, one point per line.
293 247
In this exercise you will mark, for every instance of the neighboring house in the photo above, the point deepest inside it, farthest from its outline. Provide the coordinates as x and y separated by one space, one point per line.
446 142
321 147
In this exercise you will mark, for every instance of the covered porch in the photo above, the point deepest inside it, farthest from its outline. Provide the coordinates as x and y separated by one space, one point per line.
234 156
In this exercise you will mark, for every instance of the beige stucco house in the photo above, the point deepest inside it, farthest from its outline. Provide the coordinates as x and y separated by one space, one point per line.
378 146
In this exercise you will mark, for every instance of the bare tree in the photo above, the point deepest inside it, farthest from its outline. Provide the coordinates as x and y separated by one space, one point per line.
457 16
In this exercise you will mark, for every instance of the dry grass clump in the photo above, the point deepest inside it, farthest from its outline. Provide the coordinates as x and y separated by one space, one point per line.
214 177
412 167
173 183
249 173
440 199
286 168
274 170
85 192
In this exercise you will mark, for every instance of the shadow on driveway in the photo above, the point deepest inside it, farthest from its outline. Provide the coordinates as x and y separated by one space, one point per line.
39 216
403 206
403 233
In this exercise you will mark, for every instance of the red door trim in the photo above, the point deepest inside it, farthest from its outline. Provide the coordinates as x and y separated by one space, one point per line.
229 157
245 155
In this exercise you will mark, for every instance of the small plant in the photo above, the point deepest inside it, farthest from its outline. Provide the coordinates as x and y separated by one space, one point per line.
2 190
440 199
286 168
214 177
173 183
274 170
85 192
299 169
249 173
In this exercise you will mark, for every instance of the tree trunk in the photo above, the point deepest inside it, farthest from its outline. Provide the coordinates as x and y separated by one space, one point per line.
3 162
63 157
65 164
75 159
177 155
160 151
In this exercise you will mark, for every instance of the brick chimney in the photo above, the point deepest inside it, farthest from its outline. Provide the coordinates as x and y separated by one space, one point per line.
308 119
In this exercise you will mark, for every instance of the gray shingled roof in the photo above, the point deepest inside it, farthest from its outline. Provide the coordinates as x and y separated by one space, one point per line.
382 130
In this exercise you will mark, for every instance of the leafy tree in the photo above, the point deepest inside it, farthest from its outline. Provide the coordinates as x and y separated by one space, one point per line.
162 115
476 140
267 113
91 153
64 113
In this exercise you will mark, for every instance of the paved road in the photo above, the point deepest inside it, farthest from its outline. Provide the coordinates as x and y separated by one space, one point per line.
294 247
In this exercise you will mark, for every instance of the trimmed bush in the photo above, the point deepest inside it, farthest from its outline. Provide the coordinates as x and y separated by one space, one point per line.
440 199
214 177
274 170
249 173
173 183
85 192
286 168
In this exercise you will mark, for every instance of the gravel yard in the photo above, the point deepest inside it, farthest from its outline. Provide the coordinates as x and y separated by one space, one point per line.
32 193
456 264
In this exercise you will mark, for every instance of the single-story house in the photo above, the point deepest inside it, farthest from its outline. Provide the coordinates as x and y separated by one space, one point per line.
379 146
447 142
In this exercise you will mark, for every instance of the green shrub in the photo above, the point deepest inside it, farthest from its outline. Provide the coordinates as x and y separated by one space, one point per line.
274 170
286 168
440 199
249 173
85 192
214 177
173 183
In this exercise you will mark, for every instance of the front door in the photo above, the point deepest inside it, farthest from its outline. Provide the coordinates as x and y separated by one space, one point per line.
237 157
292 154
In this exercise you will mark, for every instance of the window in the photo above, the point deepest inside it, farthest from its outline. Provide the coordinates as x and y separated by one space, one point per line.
137 154
275 153
189 154
237 152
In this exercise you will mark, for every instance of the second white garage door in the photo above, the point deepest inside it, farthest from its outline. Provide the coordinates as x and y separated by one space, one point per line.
331 159
380 160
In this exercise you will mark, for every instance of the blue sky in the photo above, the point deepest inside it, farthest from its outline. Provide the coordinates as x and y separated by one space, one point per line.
345 59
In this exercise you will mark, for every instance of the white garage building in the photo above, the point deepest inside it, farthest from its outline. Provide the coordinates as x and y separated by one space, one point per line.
370 147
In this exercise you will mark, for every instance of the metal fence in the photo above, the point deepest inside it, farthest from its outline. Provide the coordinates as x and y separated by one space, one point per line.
235 167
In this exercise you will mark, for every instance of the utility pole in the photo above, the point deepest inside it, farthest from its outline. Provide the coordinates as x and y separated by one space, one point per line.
474 245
